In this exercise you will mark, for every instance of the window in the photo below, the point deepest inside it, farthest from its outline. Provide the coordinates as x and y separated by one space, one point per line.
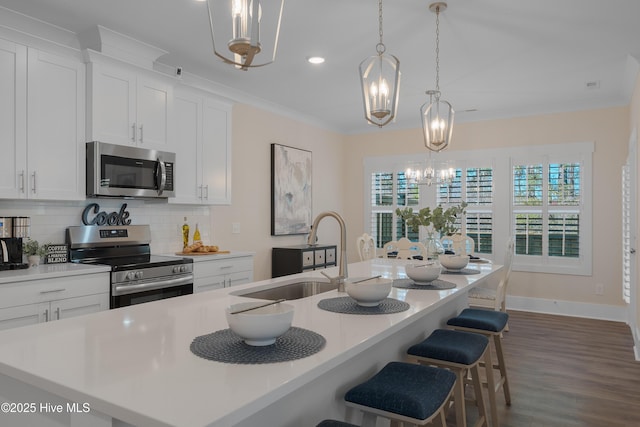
389 191
474 183
551 211
547 226
541 195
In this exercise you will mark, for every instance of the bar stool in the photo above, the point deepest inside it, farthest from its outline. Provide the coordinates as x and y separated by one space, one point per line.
460 352
334 423
491 324
404 392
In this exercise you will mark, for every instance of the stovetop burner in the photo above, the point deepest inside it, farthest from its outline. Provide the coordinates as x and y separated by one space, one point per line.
138 261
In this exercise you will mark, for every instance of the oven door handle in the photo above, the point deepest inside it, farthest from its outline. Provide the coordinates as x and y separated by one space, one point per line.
152 285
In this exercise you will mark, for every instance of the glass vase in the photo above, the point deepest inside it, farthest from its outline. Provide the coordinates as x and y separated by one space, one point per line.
433 245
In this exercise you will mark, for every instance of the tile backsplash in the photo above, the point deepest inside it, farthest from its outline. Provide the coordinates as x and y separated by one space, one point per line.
49 220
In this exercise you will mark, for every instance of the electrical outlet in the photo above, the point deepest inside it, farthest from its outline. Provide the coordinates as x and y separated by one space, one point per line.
599 289
235 228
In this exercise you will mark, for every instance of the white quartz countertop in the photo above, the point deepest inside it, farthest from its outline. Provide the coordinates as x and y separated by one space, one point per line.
49 271
135 364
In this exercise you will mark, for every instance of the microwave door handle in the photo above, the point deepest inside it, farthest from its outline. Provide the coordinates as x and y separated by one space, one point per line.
163 176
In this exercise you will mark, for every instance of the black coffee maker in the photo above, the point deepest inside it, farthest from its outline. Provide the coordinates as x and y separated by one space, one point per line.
11 254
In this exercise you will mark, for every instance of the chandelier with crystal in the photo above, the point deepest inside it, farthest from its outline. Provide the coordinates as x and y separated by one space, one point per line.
380 80
251 31
437 115
425 173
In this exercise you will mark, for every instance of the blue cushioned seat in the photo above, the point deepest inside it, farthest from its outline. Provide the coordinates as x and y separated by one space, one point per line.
475 318
415 391
460 347
333 423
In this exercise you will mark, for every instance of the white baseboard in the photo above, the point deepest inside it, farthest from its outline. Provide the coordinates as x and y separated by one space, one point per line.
568 308
577 309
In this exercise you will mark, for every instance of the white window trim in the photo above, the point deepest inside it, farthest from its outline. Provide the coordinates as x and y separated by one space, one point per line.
501 161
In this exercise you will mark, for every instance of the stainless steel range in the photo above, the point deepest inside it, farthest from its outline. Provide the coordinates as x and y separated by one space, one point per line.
136 275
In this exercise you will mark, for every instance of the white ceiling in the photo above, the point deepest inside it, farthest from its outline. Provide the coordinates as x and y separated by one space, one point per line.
500 58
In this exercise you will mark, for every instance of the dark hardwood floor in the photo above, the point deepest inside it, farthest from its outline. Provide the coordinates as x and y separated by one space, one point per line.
569 372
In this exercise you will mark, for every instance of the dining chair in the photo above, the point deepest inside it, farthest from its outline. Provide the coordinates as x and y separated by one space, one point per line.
404 248
459 244
366 247
495 298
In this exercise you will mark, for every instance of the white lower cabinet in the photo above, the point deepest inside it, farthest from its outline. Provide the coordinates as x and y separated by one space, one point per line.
222 273
36 301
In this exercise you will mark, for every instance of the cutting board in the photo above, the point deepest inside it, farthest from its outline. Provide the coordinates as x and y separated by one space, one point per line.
202 253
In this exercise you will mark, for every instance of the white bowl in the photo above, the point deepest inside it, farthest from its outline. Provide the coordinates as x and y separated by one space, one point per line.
261 326
369 293
454 262
423 273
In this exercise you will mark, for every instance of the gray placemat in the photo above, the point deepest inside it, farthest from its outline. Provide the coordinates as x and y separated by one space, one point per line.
435 285
463 271
225 346
348 305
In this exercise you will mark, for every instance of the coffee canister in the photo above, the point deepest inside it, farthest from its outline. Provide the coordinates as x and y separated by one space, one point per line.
21 226
6 226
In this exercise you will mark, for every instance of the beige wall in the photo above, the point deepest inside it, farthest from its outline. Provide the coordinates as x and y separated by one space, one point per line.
338 184
634 119
608 128
253 132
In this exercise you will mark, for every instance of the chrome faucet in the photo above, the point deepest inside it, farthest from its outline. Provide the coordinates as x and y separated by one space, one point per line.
311 240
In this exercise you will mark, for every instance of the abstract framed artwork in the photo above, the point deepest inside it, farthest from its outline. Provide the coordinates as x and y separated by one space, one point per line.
290 190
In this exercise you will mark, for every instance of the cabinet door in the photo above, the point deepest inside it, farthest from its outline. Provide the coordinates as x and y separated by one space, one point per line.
153 106
22 315
55 127
113 107
186 143
239 278
72 307
209 283
13 113
216 152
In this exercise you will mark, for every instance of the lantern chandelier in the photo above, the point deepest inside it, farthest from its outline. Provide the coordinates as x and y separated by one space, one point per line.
426 174
437 115
380 80
244 21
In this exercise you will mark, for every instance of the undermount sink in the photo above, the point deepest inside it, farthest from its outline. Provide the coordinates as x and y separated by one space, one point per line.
290 290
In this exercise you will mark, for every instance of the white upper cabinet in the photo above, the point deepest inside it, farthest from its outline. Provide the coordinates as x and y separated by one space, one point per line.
42 114
55 127
128 108
13 117
202 143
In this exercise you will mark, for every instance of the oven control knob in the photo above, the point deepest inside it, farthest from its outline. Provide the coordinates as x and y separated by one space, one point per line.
138 274
130 275
176 269
183 268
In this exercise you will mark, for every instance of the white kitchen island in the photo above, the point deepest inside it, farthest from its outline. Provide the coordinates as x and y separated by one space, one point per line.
133 365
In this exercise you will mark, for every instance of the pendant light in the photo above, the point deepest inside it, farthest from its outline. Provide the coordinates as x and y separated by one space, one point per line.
380 80
437 115
243 23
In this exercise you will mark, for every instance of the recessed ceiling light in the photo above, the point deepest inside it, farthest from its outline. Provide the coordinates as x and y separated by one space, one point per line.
315 59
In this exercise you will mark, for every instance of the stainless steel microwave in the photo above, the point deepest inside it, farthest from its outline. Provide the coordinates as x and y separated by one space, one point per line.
122 171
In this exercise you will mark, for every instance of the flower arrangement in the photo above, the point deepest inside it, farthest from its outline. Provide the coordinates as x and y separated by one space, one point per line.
32 247
441 220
